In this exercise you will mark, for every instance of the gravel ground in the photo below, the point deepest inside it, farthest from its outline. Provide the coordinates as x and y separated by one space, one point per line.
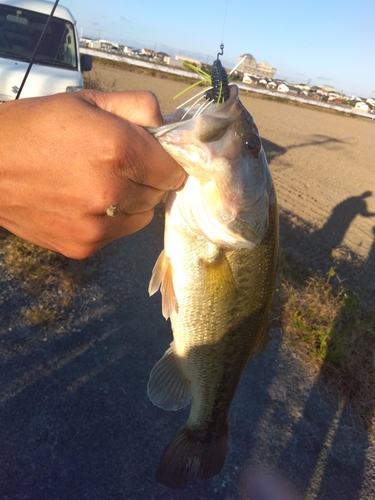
76 422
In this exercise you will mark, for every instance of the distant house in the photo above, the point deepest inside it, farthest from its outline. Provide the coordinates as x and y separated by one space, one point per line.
320 91
94 44
182 59
84 41
333 96
108 45
362 106
162 57
249 79
148 52
128 50
303 86
283 88
294 89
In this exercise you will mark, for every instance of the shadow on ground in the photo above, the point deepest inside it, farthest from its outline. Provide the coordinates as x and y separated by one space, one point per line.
76 422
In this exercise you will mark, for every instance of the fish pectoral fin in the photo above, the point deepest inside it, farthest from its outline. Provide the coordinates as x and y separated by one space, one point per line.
218 278
188 456
162 278
158 273
168 388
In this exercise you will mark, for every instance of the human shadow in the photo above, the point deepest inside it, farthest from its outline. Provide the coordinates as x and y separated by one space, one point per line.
332 233
318 140
272 149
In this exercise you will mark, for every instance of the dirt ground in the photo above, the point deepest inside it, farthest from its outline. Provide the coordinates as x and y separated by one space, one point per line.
75 419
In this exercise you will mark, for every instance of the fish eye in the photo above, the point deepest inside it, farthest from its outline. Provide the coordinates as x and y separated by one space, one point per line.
254 144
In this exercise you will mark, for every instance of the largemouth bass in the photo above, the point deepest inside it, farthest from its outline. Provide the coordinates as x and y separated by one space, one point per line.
216 275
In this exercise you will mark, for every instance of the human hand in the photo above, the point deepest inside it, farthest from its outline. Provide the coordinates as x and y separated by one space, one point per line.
65 159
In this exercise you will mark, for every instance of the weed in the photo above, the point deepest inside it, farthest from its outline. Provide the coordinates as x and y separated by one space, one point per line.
50 279
334 324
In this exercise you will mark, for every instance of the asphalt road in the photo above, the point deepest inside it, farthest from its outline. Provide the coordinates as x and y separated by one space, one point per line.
76 422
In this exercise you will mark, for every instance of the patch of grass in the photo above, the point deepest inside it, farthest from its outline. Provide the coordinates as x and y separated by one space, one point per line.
50 279
41 315
334 324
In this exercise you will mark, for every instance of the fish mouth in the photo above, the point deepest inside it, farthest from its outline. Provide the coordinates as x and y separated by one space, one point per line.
209 120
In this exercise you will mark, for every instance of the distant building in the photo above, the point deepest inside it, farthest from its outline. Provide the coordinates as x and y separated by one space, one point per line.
327 88
128 50
182 59
100 44
362 106
162 57
250 79
94 44
148 52
265 70
283 88
107 45
249 65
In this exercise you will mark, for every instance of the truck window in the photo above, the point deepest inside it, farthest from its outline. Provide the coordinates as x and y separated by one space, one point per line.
20 31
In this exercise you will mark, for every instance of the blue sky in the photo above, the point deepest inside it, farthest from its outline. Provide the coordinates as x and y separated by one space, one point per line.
321 41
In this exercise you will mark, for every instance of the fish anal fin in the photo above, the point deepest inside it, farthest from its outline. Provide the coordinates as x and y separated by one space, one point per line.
168 388
189 456
162 278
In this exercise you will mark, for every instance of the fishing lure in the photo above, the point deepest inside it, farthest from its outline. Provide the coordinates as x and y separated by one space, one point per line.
218 81
219 92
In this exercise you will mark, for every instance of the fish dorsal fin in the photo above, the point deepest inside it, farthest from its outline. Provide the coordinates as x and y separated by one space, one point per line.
168 388
162 278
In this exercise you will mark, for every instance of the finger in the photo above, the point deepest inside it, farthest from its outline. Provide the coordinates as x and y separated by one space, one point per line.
112 228
138 106
95 234
146 162
135 199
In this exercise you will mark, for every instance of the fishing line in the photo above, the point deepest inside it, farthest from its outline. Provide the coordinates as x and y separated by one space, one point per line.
36 50
225 20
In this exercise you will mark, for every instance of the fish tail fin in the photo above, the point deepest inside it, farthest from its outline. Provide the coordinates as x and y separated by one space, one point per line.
189 456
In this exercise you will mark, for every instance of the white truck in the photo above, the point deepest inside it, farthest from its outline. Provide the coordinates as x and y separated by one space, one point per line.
58 65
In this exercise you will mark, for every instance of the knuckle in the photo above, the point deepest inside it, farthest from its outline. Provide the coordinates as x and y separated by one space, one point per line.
134 166
148 99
